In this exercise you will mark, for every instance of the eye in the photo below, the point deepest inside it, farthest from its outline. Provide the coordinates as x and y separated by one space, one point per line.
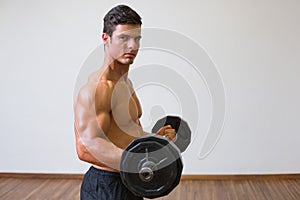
138 38
123 37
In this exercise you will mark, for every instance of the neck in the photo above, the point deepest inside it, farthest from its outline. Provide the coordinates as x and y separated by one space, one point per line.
114 70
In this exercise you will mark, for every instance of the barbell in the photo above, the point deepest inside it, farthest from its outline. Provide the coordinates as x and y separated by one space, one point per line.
151 165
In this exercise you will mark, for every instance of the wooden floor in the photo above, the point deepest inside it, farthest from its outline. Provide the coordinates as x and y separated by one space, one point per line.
210 189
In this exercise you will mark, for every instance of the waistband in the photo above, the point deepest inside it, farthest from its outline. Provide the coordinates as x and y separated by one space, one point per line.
104 172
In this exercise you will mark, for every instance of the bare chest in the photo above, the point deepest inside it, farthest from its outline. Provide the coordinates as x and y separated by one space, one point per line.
126 106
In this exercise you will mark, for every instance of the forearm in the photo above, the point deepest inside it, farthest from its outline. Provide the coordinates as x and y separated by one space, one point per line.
100 152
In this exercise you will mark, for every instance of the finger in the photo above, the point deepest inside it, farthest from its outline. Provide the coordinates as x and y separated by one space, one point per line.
166 127
170 136
162 130
170 131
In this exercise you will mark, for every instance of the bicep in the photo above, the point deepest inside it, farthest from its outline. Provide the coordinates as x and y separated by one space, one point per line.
103 120
103 107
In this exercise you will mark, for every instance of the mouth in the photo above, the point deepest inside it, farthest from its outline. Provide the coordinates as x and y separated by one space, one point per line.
130 55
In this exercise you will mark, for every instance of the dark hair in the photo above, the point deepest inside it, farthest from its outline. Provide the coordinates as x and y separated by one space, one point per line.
120 14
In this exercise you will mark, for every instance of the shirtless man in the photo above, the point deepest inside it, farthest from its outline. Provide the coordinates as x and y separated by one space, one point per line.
107 110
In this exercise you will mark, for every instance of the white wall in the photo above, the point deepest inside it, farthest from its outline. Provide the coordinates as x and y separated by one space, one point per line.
254 45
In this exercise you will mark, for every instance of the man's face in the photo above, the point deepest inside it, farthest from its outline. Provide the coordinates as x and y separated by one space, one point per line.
124 44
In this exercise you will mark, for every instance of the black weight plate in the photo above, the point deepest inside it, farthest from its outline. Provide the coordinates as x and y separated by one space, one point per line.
167 175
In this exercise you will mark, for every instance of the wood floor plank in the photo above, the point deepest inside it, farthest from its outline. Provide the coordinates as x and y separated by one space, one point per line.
56 189
7 184
23 189
216 189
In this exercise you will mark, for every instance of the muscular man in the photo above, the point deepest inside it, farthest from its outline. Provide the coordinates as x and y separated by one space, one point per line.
107 110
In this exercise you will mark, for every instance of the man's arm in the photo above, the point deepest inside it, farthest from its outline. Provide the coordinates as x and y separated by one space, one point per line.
86 154
92 144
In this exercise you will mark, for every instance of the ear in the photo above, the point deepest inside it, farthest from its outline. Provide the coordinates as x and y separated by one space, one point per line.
105 38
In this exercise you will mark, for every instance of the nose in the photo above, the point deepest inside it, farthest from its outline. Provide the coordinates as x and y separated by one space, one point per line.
133 44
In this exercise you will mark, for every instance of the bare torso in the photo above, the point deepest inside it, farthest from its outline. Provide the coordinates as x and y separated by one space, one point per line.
124 113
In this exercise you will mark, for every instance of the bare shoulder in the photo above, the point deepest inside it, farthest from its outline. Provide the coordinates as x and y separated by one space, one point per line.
85 94
103 95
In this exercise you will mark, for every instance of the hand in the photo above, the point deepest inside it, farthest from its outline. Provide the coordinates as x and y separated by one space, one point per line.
167 131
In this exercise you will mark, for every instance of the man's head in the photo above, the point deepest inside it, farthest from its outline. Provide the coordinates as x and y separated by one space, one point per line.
122 34
120 14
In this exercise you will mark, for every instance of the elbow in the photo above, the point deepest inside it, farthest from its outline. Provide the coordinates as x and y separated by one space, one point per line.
81 155
84 155
81 149
82 152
